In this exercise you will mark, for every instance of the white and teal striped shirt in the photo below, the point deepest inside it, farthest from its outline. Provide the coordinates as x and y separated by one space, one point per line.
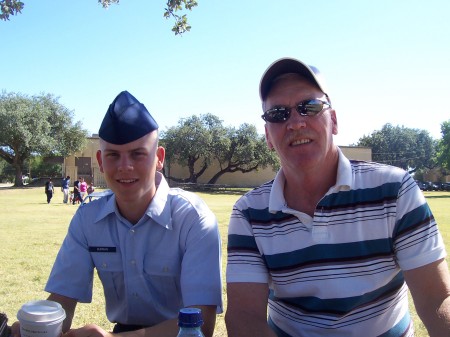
340 272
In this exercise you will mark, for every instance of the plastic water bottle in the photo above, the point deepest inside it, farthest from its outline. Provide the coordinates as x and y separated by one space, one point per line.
190 322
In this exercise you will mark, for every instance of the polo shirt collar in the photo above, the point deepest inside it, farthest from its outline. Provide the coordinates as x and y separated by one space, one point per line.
344 179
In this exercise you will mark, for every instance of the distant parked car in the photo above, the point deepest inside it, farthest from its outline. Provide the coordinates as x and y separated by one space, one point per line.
431 186
446 186
95 195
427 185
423 186
441 186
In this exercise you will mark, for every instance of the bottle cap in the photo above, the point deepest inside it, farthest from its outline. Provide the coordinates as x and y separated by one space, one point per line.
190 318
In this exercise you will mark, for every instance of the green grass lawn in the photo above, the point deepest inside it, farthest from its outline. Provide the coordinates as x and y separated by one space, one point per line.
31 232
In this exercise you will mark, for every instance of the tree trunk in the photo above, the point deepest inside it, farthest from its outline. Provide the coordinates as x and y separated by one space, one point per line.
216 177
18 182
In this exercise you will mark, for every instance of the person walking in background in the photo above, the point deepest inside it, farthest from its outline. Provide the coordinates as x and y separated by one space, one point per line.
83 189
49 190
330 246
76 191
90 190
155 249
65 186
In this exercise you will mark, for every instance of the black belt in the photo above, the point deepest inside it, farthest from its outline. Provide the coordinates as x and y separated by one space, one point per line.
126 327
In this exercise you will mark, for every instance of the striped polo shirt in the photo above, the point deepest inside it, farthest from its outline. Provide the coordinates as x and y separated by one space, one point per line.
338 273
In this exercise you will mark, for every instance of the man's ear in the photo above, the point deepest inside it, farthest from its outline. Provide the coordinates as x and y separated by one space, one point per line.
160 155
269 143
99 160
334 121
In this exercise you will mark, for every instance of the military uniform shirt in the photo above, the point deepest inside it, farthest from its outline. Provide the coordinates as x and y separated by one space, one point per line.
170 259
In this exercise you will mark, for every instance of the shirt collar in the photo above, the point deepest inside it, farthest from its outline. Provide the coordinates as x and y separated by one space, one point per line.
159 209
108 208
344 179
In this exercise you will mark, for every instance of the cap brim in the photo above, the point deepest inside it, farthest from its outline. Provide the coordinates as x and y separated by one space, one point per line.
286 66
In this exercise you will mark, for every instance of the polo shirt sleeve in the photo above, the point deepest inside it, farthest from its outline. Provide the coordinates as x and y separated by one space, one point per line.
245 263
72 272
416 235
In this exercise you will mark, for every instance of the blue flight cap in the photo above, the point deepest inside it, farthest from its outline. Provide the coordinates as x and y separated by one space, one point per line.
126 120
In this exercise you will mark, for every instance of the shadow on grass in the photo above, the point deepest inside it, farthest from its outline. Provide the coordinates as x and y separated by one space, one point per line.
217 189
438 196
12 187
233 191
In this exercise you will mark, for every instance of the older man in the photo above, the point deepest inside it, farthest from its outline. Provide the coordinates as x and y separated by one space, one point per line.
330 246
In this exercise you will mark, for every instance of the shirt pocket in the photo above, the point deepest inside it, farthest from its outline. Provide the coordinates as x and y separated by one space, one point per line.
162 275
110 271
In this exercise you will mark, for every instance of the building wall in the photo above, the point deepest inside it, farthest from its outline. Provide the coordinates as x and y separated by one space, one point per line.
357 152
89 151
255 178
237 179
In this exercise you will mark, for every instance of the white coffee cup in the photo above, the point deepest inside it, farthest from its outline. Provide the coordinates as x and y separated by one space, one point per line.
41 319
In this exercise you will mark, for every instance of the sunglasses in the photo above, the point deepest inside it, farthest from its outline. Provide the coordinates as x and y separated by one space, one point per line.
310 107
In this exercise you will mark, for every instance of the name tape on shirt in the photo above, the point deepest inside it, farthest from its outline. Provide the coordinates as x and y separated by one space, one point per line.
102 249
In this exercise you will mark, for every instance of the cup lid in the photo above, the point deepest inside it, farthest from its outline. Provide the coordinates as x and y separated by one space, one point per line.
41 311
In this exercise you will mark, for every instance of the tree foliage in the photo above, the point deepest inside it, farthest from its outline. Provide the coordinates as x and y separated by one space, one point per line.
191 144
443 155
410 149
173 7
10 7
243 150
7 172
196 142
40 167
37 125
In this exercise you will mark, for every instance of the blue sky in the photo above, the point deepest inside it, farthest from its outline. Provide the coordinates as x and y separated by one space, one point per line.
385 61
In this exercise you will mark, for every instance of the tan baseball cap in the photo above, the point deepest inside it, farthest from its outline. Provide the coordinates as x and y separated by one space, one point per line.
288 65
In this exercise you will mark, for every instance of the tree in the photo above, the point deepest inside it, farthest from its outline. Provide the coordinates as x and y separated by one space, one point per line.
443 155
197 141
39 167
181 24
410 149
13 7
6 172
191 143
37 125
243 150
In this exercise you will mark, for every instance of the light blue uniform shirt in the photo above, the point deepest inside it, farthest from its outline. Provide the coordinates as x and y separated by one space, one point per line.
170 259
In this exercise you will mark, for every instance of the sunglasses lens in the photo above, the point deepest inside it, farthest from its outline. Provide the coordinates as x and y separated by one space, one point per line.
310 108
306 108
276 115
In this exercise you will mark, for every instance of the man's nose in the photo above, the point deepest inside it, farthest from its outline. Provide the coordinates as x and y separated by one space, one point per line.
125 164
296 121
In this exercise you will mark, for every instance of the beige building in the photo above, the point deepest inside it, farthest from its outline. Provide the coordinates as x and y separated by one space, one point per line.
84 164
